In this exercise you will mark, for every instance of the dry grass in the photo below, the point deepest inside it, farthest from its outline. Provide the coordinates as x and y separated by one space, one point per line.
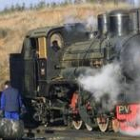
17 24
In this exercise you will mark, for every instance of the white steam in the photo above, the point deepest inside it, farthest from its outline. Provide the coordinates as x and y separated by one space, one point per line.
91 23
71 20
105 81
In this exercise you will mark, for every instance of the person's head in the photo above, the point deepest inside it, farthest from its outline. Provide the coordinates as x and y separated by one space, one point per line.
55 43
7 84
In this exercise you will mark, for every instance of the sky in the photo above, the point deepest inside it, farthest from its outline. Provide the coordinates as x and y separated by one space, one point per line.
8 3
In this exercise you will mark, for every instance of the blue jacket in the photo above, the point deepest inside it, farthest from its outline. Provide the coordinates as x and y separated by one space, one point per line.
11 100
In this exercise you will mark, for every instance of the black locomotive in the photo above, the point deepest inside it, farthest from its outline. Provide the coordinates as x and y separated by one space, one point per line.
53 58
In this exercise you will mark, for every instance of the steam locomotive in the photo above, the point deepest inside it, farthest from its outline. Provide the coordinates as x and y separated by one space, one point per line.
47 76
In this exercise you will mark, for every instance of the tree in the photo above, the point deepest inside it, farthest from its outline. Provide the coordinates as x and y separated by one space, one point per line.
23 6
41 4
80 1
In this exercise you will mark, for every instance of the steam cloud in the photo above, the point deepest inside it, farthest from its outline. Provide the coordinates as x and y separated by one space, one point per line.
90 23
105 81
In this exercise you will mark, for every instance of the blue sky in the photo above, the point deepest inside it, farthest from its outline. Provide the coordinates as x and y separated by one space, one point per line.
8 3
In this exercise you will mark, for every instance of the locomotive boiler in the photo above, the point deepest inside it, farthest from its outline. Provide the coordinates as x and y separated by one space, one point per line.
47 74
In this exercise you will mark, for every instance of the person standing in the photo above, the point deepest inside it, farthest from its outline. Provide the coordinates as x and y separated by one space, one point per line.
10 102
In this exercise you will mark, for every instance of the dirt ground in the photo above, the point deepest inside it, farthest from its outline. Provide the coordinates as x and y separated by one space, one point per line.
71 134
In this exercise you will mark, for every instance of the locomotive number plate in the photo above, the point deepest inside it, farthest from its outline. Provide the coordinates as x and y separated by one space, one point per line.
124 109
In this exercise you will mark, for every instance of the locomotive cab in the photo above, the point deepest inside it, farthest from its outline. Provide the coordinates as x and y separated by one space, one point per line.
36 56
39 61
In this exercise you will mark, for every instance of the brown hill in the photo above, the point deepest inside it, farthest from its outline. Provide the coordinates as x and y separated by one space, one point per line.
14 26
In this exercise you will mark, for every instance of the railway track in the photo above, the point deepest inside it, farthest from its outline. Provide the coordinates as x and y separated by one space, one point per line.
63 133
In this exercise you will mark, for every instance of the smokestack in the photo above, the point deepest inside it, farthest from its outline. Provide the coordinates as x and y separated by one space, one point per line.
103 24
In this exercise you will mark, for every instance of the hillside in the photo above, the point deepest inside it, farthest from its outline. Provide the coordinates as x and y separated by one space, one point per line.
14 26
